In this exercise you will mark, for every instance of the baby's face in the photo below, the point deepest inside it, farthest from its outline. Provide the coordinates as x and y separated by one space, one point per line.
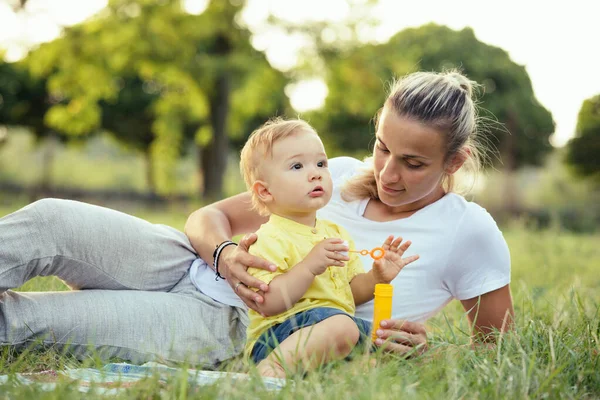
297 176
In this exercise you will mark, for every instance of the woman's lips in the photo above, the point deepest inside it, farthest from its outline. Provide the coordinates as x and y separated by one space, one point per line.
390 190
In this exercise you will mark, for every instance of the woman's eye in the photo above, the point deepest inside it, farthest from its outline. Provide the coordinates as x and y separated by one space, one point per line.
382 149
414 166
297 166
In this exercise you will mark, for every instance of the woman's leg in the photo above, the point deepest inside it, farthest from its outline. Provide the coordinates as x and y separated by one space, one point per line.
307 348
139 326
90 247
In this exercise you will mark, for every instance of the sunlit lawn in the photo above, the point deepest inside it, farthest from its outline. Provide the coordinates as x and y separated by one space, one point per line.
553 352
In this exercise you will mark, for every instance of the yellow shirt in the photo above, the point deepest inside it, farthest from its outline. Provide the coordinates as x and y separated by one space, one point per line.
285 243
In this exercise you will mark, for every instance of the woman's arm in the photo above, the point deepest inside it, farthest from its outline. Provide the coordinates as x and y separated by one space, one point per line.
220 221
479 275
490 313
216 222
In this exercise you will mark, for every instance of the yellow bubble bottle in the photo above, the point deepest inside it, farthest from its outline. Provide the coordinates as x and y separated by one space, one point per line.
382 308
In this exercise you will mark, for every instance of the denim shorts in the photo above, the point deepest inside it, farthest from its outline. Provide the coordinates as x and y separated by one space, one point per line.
273 336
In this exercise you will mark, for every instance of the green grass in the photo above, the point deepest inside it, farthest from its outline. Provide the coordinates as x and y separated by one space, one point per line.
553 352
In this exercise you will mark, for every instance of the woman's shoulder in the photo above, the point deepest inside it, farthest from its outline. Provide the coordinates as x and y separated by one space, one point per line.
341 167
479 261
456 205
471 219
468 221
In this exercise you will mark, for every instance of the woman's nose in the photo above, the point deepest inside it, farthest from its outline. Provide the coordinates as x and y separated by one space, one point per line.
390 173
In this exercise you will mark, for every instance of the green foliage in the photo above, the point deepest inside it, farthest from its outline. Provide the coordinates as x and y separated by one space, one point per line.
356 80
154 76
583 151
24 99
13 81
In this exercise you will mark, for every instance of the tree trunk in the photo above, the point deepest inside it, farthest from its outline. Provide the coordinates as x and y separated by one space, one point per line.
48 152
150 177
43 188
214 156
3 136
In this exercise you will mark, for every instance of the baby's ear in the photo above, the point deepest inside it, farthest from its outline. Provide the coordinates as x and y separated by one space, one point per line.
262 192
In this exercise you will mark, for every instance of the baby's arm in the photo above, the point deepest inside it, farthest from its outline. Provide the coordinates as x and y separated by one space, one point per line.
362 287
384 270
286 289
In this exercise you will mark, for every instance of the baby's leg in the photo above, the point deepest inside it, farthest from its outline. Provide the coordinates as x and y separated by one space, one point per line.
331 339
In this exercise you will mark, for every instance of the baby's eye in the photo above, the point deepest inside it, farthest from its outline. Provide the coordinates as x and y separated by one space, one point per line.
322 164
297 166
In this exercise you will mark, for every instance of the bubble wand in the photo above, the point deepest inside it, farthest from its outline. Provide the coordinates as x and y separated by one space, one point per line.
382 304
376 254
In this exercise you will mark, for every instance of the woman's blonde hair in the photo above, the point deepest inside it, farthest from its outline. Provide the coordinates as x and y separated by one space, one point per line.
441 100
260 146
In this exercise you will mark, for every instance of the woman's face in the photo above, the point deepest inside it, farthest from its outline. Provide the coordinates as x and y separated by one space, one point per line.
409 162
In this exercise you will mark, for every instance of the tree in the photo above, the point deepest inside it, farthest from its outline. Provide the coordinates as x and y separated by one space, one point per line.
129 119
24 101
583 150
515 123
192 67
356 89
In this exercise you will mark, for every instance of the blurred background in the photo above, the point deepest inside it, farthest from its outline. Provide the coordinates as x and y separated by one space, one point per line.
144 105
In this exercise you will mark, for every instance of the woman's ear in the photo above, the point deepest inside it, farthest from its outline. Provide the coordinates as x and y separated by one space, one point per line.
457 161
262 191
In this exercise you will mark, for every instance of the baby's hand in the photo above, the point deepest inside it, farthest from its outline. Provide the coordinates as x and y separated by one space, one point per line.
387 268
326 254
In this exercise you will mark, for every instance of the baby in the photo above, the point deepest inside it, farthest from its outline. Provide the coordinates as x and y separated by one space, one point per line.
307 317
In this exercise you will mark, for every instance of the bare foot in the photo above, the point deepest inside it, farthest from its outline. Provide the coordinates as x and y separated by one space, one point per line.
372 362
271 369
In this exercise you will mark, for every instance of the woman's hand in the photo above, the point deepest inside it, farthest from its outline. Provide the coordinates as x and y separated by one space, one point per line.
233 264
402 337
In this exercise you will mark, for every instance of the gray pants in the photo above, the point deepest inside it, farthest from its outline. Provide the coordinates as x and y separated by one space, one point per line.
132 296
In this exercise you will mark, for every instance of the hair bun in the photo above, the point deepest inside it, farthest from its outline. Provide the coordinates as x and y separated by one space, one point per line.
465 83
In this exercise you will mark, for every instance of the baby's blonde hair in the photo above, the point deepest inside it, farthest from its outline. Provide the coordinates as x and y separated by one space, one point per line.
260 146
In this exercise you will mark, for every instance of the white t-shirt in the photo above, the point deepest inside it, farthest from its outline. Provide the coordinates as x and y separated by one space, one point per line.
462 252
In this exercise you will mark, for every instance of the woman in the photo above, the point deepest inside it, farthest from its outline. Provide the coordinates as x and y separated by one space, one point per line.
425 134
138 296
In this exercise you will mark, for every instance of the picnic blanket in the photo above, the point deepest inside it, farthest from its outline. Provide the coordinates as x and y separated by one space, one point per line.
116 377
